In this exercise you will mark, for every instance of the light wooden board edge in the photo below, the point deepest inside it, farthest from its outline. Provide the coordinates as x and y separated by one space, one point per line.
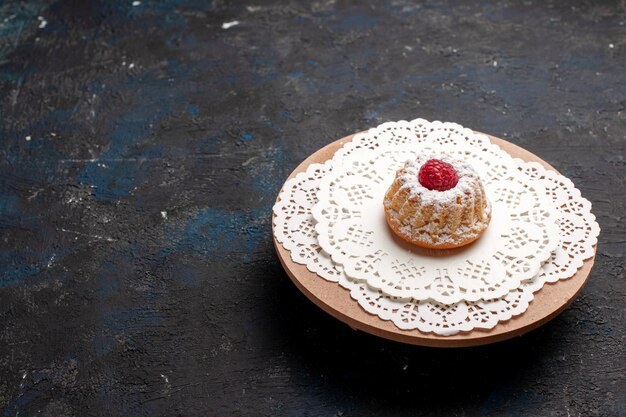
551 300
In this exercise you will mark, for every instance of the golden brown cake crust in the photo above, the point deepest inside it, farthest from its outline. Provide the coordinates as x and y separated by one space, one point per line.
395 226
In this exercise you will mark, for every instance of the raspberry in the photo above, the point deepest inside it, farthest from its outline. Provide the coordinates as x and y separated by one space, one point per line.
438 175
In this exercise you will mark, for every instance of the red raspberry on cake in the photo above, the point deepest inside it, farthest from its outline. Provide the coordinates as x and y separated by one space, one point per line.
438 175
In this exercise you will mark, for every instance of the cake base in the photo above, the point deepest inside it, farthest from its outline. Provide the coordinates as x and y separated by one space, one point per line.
394 229
551 300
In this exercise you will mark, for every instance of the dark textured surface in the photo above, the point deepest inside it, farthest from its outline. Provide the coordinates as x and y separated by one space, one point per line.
142 147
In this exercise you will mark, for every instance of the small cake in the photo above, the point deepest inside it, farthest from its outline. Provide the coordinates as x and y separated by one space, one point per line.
437 203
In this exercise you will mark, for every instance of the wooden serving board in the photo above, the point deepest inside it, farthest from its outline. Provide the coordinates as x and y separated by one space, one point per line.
336 301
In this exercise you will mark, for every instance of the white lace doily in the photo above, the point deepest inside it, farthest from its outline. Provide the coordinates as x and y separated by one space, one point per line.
295 230
352 229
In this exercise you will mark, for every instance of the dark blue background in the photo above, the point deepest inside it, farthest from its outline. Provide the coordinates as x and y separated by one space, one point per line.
143 145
